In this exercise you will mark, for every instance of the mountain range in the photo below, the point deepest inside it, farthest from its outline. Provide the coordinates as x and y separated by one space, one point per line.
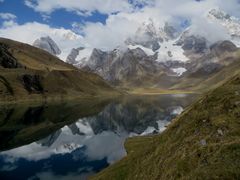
164 58
159 57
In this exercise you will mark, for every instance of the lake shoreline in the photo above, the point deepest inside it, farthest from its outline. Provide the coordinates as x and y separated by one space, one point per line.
156 91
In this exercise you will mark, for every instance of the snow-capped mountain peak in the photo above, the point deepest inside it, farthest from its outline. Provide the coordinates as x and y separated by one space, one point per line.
67 35
153 39
148 29
230 23
150 35
153 46
218 14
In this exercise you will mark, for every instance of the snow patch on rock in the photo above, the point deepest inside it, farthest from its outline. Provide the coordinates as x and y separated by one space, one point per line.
169 51
148 51
179 71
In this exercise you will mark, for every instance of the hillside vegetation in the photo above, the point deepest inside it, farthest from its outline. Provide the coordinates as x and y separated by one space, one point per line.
28 73
202 143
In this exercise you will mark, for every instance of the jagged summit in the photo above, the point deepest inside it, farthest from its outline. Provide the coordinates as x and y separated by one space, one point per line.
47 44
218 14
230 23
149 35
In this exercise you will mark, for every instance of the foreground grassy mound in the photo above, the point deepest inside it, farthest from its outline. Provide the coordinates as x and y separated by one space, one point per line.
202 143
28 73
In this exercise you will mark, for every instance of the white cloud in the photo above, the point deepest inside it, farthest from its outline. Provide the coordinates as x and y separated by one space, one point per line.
8 23
29 32
7 16
213 31
113 34
106 144
9 19
79 6
122 25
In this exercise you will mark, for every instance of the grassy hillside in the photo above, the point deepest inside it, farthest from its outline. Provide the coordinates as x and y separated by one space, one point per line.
28 73
202 143
204 83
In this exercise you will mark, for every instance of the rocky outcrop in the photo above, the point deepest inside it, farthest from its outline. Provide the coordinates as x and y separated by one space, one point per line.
213 60
71 59
47 44
5 87
222 47
32 83
191 43
146 36
128 66
173 64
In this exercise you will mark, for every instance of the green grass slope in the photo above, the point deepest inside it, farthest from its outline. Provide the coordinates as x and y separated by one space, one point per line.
29 73
202 143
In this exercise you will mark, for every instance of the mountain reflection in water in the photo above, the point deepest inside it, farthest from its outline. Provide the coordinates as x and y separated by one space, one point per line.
74 141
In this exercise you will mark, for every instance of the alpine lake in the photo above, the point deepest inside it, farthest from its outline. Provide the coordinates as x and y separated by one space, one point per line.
75 140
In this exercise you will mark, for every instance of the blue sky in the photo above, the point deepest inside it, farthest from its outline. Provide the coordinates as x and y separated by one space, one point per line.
59 18
24 13
65 16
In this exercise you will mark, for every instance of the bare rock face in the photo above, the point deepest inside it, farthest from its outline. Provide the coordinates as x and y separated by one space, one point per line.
222 47
150 43
193 44
71 59
47 44
173 64
134 65
32 83
219 14
116 66
213 59
99 59
147 36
